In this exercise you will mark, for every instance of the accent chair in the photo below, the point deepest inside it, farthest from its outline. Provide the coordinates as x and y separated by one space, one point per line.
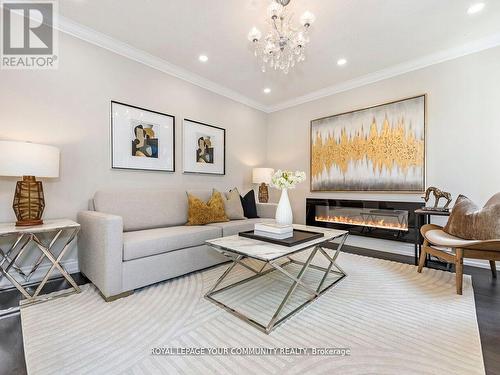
454 249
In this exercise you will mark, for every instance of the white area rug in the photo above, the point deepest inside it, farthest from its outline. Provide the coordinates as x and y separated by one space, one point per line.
394 321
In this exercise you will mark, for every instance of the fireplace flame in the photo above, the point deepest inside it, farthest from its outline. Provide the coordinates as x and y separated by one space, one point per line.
366 223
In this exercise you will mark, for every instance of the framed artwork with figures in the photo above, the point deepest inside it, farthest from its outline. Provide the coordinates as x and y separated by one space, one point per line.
141 138
204 148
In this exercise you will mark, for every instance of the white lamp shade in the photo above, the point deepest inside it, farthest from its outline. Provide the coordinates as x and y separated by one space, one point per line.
28 159
262 175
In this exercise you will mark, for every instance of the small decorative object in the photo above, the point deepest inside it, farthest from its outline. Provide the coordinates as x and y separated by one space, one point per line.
273 230
284 44
142 139
263 177
204 148
28 160
285 180
438 194
380 148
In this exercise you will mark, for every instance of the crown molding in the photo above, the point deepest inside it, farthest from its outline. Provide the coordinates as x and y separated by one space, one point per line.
97 38
394 71
104 41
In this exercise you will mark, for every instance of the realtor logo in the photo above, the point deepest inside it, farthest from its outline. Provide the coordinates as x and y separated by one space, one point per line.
29 40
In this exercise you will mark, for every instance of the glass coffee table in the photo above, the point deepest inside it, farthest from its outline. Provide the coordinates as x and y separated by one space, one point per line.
268 269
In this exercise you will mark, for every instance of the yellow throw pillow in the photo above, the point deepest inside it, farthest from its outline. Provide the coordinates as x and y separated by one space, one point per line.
200 213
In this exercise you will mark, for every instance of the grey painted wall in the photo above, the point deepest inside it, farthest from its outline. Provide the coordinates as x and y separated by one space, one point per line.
70 108
463 130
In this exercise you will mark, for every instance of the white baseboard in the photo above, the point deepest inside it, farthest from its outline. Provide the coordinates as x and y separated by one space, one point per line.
402 248
71 265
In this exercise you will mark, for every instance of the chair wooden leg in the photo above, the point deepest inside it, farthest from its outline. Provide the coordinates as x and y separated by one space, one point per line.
423 257
493 269
459 269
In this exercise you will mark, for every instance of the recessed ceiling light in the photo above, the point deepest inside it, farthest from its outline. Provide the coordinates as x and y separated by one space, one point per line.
203 58
475 8
267 90
341 62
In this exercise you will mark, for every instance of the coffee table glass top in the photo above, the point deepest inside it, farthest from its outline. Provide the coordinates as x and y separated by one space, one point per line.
268 251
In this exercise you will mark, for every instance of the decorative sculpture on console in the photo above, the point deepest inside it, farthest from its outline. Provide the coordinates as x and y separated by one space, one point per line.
438 194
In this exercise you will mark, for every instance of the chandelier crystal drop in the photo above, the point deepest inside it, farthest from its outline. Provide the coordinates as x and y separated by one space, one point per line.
284 45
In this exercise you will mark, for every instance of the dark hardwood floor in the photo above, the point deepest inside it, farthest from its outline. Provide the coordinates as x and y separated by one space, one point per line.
486 293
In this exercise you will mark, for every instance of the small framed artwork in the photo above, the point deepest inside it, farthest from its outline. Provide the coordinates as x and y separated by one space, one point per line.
141 139
204 148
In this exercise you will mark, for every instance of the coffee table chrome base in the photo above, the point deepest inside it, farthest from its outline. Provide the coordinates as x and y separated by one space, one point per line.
271 266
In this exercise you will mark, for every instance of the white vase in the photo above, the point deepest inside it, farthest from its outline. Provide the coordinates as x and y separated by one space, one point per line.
284 214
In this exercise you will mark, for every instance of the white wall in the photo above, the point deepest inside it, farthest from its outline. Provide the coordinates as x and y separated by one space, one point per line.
70 108
463 129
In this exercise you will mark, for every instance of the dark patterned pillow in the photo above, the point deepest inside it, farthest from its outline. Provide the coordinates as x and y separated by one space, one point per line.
469 222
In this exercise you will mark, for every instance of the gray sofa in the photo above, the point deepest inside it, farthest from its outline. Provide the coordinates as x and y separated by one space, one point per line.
133 238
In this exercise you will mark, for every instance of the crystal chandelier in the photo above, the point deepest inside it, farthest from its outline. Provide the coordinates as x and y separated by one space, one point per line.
284 45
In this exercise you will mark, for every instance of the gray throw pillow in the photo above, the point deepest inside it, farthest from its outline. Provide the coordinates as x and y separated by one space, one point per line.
232 205
469 222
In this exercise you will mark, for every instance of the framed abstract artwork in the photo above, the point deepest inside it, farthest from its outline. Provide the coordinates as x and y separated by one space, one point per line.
142 139
204 148
378 149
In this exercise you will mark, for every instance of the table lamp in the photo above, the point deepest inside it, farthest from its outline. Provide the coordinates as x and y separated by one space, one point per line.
28 160
263 177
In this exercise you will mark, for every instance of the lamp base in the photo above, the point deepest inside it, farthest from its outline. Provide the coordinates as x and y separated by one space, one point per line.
263 193
29 202
28 223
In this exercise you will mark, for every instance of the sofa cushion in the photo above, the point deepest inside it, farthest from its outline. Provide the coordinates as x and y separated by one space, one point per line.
235 226
248 203
201 212
469 222
149 242
144 208
232 205
204 195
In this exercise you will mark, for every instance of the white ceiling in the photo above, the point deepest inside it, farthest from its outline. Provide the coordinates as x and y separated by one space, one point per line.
373 35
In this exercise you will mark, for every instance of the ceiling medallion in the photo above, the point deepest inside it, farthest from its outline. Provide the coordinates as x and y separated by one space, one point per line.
284 45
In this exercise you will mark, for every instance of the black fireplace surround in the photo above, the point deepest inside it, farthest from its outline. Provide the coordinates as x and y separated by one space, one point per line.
380 219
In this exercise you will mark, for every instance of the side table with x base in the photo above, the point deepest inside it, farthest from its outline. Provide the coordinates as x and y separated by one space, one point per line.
24 239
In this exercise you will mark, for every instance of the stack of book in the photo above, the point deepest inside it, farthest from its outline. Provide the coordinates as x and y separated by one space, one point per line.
272 230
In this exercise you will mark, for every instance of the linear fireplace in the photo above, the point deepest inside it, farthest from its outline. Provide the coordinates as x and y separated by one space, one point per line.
380 219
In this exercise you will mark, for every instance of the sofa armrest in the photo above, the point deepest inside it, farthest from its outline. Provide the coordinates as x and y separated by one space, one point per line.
266 210
100 250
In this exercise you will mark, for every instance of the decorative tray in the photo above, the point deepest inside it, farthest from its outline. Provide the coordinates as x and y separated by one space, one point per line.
299 237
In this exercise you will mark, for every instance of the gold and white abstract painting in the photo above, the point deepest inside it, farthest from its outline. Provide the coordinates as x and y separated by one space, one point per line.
380 148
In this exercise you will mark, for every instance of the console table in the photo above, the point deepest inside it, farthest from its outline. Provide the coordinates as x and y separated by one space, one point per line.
45 238
423 217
